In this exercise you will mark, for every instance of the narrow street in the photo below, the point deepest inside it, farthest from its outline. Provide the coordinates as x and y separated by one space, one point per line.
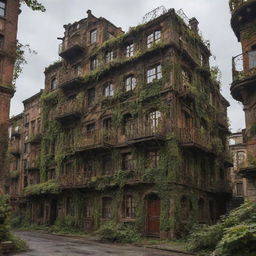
51 245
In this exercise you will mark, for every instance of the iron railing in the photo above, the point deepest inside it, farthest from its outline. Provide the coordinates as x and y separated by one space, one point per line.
244 65
69 44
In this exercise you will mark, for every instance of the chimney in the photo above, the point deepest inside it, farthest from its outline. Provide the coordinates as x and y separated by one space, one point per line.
194 24
89 13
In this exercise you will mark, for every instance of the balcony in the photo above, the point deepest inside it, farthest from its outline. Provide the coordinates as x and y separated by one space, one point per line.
193 138
35 139
14 148
138 132
69 110
70 78
71 180
71 49
244 73
97 139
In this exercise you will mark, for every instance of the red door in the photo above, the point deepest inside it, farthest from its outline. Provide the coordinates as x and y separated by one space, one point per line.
153 223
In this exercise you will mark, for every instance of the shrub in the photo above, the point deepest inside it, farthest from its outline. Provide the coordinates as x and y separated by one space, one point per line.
119 232
67 224
232 235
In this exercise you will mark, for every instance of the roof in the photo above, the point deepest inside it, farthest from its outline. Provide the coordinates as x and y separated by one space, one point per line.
35 96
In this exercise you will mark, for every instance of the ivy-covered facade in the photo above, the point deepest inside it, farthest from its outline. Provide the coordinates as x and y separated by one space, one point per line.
134 129
244 79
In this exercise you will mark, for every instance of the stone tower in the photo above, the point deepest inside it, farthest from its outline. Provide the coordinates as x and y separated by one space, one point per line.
243 87
9 11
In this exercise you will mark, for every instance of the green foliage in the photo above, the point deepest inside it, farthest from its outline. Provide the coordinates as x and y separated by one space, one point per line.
253 130
119 232
234 234
34 5
49 187
66 224
14 174
19 244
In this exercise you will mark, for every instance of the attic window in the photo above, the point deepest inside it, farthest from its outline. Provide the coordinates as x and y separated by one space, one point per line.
93 36
2 8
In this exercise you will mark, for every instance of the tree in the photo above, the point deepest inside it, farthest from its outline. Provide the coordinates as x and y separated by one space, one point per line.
34 5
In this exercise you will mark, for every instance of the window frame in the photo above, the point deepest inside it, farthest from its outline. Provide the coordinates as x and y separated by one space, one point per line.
154 73
108 89
109 56
129 207
154 38
91 97
107 208
93 63
3 8
130 83
53 83
93 36
129 50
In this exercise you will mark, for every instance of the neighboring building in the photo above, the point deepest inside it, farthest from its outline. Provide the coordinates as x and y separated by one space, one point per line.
9 11
238 150
244 81
134 129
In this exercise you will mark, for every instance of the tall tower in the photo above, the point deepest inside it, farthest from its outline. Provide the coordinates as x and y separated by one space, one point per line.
9 11
243 87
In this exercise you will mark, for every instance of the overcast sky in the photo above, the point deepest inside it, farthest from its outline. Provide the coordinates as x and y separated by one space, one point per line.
40 31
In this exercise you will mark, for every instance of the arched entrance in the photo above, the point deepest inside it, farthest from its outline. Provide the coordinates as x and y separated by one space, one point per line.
152 228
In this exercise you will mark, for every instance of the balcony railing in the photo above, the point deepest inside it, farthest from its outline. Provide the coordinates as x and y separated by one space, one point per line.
71 48
70 78
100 138
69 109
74 179
141 131
193 137
235 4
244 66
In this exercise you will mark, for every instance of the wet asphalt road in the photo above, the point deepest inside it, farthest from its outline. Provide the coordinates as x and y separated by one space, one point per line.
51 245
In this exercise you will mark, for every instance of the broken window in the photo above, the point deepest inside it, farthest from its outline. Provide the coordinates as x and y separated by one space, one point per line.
127 162
108 90
154 119
154 73
130 83
130 50
91 97
107 208
1 41
109 56
93 63
53 83
153 159
93 36
153 38
2 8
129 207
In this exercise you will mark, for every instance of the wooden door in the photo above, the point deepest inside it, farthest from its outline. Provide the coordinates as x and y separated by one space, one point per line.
153 220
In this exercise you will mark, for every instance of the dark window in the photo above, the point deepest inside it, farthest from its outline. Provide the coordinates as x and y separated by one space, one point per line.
93 63
33 127
68 168
90 128
127 162
91 97
130 50
93 36
201 210
69 207
107 124
109 56
88 209
154 73
106 208
184 208
53 84
2 8
108 90
239 189
153 38
89 169
129 207
127 124
130 83
186 78
107 165
153 159
1 41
